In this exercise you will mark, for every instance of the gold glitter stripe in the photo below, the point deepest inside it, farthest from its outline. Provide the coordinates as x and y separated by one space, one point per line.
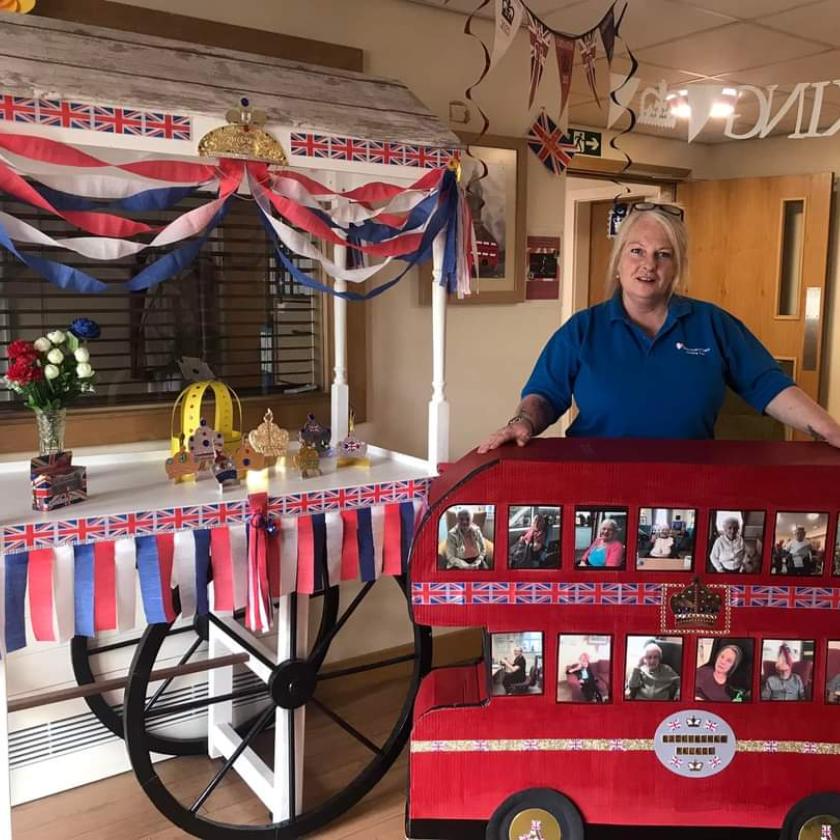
609 745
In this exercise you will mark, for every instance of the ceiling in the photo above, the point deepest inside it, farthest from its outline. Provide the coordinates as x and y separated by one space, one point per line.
756 42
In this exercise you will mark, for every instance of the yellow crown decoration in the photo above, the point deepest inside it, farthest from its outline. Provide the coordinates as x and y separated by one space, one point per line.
243 137
21 6
696 605
268 439
190 402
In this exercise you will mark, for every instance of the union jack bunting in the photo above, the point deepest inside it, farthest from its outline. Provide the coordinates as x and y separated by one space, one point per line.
386 153
492 593
227 513
309 145
541 38
18 109
129 524
303 144
175 519
83 530
534 593
549 144
588 53
348 148
167 126
430 594
118 120
575 593
64 114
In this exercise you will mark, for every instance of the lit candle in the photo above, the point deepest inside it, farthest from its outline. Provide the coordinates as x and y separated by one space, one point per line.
257 481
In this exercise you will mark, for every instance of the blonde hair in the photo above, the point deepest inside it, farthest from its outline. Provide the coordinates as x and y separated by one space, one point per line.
674 228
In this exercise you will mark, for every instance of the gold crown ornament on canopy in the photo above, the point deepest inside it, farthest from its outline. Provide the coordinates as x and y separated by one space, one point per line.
243 137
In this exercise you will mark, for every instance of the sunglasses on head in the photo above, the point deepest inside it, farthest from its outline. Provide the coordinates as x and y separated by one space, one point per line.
670 209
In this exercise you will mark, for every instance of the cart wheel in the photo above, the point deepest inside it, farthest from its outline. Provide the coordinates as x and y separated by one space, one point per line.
83 650
293 685
557 815
814 818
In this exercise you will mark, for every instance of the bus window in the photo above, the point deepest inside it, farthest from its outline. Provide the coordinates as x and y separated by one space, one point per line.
533 537
665 540
517 663
653 667
735 541
832 673
600 537
787 668
724 670
465 537
583 669
837 548
799 543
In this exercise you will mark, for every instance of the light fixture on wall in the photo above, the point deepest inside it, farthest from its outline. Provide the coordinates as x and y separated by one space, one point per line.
722 107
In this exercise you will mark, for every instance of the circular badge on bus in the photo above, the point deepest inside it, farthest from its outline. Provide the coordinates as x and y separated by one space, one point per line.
695 744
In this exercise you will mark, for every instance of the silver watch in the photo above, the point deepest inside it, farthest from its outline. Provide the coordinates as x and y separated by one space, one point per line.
518 418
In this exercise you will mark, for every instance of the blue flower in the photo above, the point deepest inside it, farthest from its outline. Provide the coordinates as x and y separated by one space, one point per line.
85 328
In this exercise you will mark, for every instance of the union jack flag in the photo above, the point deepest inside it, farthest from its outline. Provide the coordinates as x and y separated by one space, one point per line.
225 513
652 594
711 725
65 114
332 500
117 120
714 761
417 156
438 593
492 593
17 538
674 724
348 148
298 504
141 523
175 519
83 530
576 593
371 494
167 126
533 593
310 145
616 745
482 746
780 596
676 761
810 747
541 38
549 144
588 53
576 744
406 491
387 153
736 595
771 746
17 109
818 597
619 593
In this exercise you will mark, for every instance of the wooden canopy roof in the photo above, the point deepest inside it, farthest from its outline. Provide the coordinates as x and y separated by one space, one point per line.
44 58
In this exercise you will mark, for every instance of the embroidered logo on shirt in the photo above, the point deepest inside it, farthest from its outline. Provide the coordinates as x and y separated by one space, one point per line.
693 351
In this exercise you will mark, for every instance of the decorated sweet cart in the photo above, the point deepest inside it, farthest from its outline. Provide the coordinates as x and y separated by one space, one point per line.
223 584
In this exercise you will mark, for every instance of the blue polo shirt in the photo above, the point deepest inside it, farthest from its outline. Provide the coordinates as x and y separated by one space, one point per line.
627 384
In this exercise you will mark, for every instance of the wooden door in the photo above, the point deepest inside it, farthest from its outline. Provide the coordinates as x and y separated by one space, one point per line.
759 248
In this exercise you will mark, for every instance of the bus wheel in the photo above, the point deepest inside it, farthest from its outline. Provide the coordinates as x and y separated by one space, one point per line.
539 813
814 818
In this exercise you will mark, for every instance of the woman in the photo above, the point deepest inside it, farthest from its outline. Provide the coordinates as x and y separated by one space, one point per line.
784 684
587 680
514 669
713 680
729 551
465 547
606 551
653 679
613 358
531 548
664 545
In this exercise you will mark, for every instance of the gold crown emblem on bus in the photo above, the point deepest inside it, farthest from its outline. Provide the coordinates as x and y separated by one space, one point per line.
696 605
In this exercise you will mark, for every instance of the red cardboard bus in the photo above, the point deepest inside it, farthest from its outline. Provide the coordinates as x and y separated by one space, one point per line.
662 641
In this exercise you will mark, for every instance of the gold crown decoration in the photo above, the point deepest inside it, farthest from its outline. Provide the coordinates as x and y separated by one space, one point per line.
307 461
697 604
243 137
268 438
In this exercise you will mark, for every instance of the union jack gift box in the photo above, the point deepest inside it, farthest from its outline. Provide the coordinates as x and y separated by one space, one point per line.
51 490
55 463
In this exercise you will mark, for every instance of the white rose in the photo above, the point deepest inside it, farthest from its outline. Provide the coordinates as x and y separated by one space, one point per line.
42 344
84 370
56 337
55 356
82 354
51 371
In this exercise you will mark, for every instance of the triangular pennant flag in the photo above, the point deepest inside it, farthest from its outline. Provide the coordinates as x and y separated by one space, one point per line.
622 91
509 17
589 52
547 142
701 99
540 37
565 49
607 29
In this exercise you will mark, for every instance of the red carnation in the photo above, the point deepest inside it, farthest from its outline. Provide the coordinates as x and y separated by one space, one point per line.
22 371
23 350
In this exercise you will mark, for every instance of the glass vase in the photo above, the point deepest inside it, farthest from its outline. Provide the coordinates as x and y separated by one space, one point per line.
51 426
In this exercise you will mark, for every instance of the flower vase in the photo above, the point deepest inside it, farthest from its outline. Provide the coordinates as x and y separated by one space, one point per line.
51 426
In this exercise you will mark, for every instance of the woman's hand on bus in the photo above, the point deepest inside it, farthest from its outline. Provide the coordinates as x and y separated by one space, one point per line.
520 431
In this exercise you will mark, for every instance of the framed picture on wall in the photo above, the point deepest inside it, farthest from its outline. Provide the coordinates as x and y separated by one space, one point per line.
498 204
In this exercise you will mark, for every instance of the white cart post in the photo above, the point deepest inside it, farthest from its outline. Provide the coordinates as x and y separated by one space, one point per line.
438 406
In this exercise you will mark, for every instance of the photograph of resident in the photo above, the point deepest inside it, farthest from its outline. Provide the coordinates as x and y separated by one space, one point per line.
600 538
653 668
533 537
799 544
735 541
832 673
724 670
665 541
786 669
583 669
517 663
465 537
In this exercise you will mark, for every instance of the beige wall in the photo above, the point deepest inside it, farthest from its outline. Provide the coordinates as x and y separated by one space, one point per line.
490 348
